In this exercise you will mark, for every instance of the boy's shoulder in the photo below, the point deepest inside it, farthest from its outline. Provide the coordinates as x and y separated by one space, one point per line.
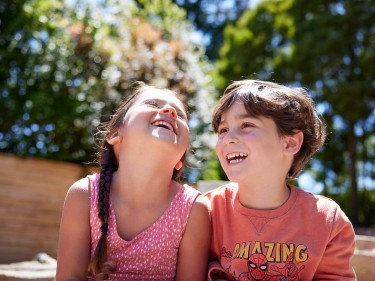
321 202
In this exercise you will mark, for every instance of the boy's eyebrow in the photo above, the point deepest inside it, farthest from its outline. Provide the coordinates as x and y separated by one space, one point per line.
241 116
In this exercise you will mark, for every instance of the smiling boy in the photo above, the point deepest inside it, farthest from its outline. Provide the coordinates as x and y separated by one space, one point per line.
263 228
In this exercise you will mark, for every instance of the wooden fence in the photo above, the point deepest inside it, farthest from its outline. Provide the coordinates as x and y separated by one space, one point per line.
32 193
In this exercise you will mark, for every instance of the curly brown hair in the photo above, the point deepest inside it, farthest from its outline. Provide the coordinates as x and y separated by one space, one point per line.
292 109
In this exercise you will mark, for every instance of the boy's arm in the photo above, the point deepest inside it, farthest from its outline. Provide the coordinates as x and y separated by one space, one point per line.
195 244
336 261
74 239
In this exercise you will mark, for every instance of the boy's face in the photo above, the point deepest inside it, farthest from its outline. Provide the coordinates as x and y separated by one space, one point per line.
249 148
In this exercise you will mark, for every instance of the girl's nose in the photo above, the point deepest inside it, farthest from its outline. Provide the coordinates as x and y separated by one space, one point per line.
169 110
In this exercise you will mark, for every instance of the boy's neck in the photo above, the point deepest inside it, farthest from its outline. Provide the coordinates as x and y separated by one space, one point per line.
263 197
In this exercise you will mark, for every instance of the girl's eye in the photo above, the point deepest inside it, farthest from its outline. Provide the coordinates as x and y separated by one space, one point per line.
181 115
155 104
152 103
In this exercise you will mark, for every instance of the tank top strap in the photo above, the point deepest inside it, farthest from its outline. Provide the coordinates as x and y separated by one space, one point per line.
94 187
190 194
183 204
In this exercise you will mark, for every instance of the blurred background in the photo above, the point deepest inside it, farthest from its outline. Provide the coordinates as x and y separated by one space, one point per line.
65 66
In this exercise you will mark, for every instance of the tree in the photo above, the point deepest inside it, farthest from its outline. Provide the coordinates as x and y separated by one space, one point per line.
210 18
37 75
67 67
328 47
340 66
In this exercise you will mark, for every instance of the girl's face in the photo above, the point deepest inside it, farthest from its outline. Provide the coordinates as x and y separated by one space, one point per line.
158 119
248 147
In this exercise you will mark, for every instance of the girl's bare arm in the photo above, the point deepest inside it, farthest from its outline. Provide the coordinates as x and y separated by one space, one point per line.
74 240
194 248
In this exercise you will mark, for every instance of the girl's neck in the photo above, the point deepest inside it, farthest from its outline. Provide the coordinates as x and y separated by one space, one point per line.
139 187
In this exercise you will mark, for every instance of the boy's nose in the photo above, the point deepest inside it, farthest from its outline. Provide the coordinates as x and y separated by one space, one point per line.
230 137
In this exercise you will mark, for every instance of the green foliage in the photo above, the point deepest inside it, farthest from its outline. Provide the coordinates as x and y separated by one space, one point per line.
65 69
35 77
366 199
210 18
213 170
255 44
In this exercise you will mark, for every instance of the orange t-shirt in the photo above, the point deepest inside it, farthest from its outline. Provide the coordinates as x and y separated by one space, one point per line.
308 238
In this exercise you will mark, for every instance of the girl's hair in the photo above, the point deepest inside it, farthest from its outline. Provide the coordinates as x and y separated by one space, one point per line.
292 109
99 266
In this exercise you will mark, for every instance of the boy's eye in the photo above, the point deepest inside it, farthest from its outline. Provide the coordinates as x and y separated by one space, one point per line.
247 125
221 131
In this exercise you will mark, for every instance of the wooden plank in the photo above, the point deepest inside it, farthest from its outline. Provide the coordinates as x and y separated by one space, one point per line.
32 194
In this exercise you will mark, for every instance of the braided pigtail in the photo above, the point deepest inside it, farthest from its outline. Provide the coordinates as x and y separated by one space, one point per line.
99 266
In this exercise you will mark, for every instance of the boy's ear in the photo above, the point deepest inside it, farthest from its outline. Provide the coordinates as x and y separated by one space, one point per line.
178 166
113 139
294 142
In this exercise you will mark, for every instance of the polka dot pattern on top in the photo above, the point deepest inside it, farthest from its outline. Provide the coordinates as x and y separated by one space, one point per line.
152 254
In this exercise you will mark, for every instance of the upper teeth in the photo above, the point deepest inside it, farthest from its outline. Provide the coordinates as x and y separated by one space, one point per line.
234 155
164 124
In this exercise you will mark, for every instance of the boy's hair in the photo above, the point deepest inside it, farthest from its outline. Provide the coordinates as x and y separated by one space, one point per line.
292 109
99 266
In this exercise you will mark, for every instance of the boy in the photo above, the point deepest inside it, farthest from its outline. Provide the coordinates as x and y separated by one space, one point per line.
262 227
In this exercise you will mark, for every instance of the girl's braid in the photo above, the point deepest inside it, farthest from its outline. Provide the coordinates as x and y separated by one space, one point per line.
99 266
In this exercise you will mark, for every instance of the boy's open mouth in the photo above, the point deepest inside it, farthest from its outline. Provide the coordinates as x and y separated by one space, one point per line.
236 157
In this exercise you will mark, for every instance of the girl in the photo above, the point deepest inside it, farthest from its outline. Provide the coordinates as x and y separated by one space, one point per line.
134 221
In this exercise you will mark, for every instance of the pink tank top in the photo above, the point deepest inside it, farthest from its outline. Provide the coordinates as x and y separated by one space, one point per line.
152 254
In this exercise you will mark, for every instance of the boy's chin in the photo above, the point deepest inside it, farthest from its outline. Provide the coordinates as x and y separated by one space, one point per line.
233 177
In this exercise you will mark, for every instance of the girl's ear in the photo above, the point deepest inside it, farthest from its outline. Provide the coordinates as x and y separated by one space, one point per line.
294 142
113 139
178 166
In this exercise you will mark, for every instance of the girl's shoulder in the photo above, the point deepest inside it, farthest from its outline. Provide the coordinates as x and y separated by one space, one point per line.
77 200
80 186
192 197
81 189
